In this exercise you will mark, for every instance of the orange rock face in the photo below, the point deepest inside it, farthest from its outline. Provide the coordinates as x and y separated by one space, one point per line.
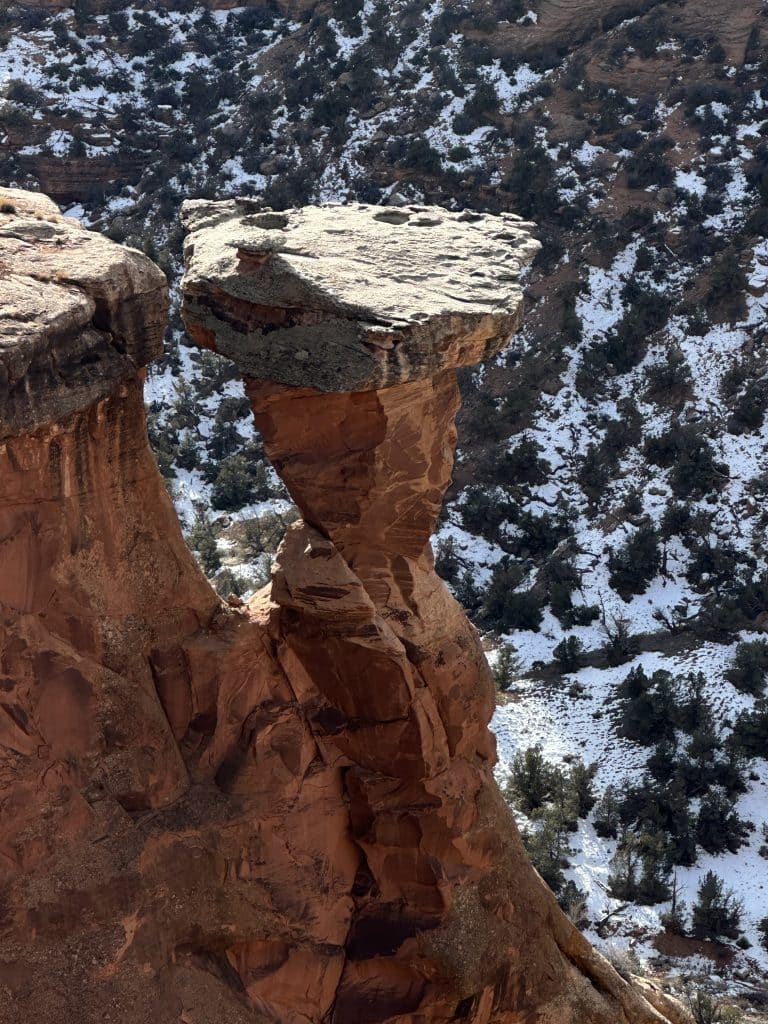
284 813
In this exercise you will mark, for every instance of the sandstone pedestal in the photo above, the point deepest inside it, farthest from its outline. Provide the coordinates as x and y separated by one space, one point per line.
284 813
348 324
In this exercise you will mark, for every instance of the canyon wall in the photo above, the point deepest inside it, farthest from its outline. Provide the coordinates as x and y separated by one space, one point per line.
284 812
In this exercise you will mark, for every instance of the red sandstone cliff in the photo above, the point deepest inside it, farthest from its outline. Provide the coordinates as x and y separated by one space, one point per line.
287 813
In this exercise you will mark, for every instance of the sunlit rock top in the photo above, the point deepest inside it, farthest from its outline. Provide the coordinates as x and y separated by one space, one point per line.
351 298
78 313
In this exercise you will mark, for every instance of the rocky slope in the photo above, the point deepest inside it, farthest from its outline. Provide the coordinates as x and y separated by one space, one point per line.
635 142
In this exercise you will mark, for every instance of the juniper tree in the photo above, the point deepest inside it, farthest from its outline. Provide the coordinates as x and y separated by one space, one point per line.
625 867
563 806
522 464
537 534
504 667
716 913
665 763
669 381
620 644
666 809
692 710
607 819
653 885
482 512
749 411
701 750
264 533
530 781
233 487
639 868
567 654
689 456
656 805
225 439
447 563
188 454
573 902
547 846
561 578
636 563
468 594
718 826
727 284
186 408
749 670
646 706
506 608
581 783
532 183
202 539
750 731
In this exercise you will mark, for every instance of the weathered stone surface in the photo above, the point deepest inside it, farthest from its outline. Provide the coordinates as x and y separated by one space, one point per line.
159 779
352 298
77 313
284 813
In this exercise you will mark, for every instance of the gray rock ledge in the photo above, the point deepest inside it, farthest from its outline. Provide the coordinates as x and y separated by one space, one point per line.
351 298
78 314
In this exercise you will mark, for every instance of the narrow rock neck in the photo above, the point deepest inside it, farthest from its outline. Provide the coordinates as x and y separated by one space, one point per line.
368 469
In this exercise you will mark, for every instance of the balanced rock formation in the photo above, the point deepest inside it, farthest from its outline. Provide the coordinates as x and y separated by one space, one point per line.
285 812
348 324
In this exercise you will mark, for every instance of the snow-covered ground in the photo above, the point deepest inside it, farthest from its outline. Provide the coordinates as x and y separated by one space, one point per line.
583 726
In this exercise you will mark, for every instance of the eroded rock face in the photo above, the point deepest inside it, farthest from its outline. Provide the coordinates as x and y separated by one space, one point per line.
114 837
77 314
352 298
284 813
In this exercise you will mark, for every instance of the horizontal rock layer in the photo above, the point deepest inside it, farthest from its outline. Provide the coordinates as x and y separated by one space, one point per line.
351 298
77 314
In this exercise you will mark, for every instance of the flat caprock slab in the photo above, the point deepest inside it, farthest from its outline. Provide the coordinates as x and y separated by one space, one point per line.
351 298
78 313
